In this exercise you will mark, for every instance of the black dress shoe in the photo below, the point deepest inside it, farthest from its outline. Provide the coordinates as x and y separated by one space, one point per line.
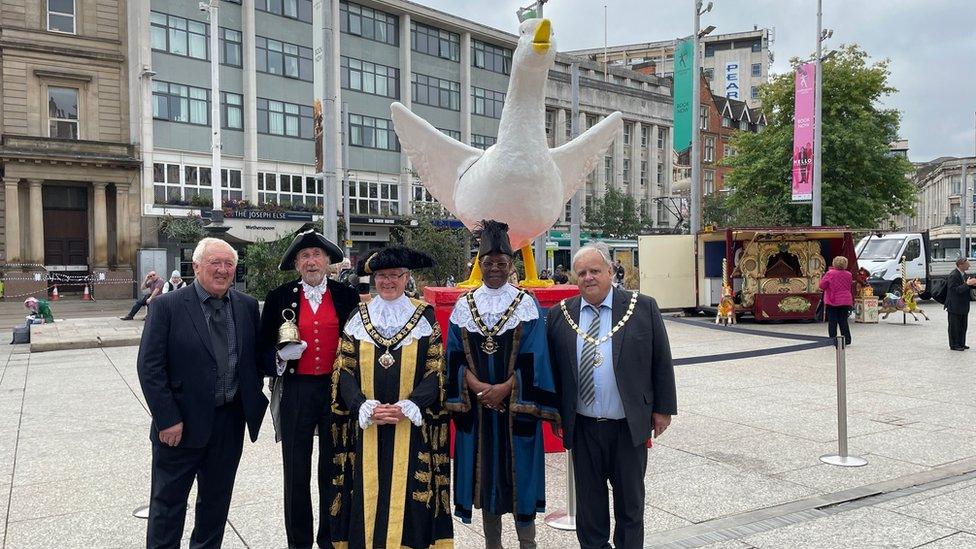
958 348
125 318
965 346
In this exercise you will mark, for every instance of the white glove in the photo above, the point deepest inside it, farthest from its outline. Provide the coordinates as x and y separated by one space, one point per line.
412 412
292 351
366 413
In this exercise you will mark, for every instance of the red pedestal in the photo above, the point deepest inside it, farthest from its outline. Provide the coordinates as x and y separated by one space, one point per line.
443 300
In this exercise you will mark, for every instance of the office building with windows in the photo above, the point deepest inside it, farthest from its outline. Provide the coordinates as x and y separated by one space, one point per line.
735 64
70 205
449 70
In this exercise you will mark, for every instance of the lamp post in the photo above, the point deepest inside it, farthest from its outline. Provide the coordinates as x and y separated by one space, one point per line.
696 198
822 34
211 7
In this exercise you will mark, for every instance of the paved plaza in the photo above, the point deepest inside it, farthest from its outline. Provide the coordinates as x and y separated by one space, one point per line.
738 468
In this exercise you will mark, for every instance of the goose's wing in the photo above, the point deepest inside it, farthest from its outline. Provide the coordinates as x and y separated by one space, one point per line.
576 159
439 160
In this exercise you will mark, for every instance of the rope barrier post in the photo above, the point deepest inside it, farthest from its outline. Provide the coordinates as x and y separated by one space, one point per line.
841 458
566 520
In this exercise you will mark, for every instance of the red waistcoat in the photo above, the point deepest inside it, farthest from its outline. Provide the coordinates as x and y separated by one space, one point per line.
321 331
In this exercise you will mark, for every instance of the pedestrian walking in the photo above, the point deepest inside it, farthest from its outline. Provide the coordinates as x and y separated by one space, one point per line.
957 304
838 291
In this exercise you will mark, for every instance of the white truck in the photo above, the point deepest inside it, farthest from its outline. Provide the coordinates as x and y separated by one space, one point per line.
881 255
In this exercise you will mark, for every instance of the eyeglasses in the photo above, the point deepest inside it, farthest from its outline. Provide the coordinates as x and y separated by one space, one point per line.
489 265
221 263
389 277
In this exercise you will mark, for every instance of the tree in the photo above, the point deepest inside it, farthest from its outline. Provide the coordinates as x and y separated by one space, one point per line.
862 182
445 246
615 215
262 259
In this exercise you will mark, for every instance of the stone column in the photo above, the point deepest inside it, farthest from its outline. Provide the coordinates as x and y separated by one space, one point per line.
122 223
99 227
559 127
36 222
12 213
636 157
652 161
618 160
601 171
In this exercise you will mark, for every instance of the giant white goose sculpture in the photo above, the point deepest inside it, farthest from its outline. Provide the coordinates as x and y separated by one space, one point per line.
519 180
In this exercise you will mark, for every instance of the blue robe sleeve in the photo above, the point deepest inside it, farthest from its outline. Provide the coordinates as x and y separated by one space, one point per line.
535 390
456 398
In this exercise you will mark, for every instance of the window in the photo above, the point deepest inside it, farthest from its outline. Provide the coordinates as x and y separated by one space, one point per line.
453 134
662 212
372 133
626 171
550 122
709 50
628 129
709 182
167 183
61 16
62 113
709 149
914 249
703 116
232 111
754 93
487 102
197 182
283 58
367 77
491 58
368 23
289 190
608 169
374 198
660 174
287 119
179 36
743 124
434 41
757 69
727 122
757 45
645 136
230 47
643 173
728 150
231 186
569 126
181 184
436 92
661 136
294 9
709 74
180 103
482 141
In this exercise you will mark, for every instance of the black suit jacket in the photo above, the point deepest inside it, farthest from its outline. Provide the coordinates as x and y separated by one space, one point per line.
957 298
344 299
178 371
641 364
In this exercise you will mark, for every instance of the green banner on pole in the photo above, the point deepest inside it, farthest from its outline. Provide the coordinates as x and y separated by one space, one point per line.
682 95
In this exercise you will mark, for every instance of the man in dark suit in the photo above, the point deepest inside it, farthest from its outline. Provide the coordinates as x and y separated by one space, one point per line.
957 303
200 374
615 381
302 370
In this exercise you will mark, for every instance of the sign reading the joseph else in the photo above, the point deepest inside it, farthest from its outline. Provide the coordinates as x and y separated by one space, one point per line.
262 214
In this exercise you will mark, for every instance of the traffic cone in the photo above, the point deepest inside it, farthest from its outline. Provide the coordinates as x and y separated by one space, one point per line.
55 296
86 296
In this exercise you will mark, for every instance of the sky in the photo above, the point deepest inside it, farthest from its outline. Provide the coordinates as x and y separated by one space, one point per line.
931 45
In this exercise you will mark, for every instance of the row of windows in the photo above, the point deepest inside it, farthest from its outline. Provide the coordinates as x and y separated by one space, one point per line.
285 119
191 105
367 77
289 190
487 102
372 133
437 92
482 141
176 182
434 41
294 9
374 198
491 58
283 58
368 23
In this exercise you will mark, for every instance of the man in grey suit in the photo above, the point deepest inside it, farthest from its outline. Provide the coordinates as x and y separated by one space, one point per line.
615 385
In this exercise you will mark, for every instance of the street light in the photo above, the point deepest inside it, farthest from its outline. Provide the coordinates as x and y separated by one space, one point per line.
211 7
531 11
822 35
696 199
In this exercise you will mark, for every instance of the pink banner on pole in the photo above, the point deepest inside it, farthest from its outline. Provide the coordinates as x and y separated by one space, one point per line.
803 129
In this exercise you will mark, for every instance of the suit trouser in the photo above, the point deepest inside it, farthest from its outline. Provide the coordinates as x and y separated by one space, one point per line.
493 532
958 324
305 405
602 451
140 303
214 467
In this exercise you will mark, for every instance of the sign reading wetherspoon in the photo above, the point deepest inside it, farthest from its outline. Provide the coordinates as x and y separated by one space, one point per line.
803 129
682 95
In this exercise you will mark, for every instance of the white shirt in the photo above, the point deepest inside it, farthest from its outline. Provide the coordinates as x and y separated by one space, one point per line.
606 402
314 294
492 304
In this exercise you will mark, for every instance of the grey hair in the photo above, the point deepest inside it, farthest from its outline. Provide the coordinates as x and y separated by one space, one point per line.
208 243
593 247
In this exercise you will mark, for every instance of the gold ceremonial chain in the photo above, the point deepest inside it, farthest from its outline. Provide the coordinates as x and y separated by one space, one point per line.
489 345
386 359
586 337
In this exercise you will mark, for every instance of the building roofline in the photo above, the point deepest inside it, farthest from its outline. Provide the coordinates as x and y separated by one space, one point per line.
710 39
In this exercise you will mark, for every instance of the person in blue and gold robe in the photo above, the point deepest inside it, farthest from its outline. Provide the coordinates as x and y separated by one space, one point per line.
499 389
391 449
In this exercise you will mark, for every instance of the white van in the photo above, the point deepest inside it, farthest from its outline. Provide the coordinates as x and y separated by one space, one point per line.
882 256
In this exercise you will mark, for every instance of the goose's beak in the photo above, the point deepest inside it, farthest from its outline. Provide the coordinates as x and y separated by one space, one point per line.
540 42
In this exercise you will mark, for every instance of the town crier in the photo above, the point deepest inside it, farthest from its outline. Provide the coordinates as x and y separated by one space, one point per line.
301 370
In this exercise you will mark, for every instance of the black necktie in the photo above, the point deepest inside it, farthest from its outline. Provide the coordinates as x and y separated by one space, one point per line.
218 334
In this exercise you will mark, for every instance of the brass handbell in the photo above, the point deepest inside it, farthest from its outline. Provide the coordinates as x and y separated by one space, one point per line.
288 332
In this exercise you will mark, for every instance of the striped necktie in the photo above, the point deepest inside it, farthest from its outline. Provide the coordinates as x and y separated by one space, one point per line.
587 388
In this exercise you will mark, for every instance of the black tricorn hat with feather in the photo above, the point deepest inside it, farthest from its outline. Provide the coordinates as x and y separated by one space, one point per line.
394 257
493 238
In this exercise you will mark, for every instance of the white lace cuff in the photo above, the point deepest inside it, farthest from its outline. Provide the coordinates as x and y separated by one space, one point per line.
412 412
282 364
366 413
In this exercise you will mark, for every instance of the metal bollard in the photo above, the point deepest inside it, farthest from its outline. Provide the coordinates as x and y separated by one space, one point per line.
841 458
566 520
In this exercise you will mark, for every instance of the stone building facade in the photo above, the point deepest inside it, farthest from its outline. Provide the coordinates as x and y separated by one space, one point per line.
70 174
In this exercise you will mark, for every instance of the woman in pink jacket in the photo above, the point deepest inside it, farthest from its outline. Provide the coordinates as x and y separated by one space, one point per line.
837 285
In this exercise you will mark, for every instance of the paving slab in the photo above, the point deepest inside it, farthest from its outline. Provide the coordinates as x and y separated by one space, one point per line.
960 540
956 509
918 446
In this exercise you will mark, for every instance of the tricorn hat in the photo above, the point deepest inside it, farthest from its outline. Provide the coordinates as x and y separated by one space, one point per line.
394 257
493 238
309 239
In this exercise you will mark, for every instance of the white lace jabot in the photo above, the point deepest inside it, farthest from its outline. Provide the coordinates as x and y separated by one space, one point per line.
314 294
492 304
388 317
